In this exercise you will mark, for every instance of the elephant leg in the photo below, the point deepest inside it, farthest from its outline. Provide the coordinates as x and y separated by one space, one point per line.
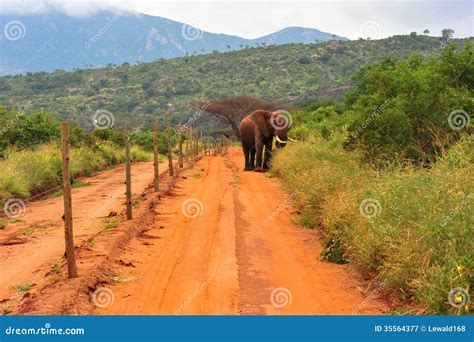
259 155
252 158
247 159
268 154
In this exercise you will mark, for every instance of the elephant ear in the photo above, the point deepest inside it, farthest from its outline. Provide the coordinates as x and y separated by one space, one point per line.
261 118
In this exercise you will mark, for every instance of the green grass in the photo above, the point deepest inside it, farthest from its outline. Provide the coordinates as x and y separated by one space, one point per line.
24 287
117 279
196 175
5 309
56 268
75 185
5 222
110 223
421 242
26 173
35 228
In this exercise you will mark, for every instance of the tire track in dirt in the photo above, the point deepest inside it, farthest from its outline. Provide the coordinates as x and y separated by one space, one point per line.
190 267
227 261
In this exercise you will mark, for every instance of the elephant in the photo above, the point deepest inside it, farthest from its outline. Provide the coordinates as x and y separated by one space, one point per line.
256 134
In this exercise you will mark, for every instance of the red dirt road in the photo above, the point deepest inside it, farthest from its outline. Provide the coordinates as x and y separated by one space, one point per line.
31 248
240 254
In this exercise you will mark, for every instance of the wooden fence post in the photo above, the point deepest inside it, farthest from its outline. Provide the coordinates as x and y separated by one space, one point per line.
202 145
196 151
170 152
193 146
68 231
155 157
181 146
190 138
128 178
187 143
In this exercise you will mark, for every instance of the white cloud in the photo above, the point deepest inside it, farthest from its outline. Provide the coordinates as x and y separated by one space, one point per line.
78 8
257 18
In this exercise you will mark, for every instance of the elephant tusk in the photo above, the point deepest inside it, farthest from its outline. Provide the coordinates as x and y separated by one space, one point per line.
293 140
279 140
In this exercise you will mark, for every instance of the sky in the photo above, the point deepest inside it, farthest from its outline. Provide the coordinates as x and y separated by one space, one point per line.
251 19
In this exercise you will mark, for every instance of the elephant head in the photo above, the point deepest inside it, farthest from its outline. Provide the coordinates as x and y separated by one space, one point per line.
276 124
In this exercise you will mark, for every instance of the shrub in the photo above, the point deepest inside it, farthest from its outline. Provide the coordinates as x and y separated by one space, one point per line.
29 172
404 109
420 242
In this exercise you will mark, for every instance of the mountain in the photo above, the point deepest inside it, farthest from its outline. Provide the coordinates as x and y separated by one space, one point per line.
54 40
164 89
296 35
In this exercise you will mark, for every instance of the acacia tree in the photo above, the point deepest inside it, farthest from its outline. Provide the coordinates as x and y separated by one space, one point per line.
233 109
446 35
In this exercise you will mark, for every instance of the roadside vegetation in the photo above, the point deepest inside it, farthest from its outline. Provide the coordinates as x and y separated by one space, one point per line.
396 198
30 154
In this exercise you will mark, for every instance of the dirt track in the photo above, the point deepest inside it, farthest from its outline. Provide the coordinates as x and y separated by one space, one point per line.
30 248
241 255
234 249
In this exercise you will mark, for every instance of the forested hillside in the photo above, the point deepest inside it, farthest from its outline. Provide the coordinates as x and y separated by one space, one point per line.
136 95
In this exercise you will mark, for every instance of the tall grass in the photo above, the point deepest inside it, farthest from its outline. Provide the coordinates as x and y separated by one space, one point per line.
25 173
419 240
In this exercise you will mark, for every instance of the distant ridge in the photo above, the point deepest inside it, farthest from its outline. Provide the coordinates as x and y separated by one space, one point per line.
54 40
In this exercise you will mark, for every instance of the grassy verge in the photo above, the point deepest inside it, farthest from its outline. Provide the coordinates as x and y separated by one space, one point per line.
29 172
412 229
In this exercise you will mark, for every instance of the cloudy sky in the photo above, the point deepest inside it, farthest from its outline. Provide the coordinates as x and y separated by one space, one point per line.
250 19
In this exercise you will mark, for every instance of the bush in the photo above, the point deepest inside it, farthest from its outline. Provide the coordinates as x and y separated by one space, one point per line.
139 155
29 172
404 109
41 167
145 140
26 131
419 243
